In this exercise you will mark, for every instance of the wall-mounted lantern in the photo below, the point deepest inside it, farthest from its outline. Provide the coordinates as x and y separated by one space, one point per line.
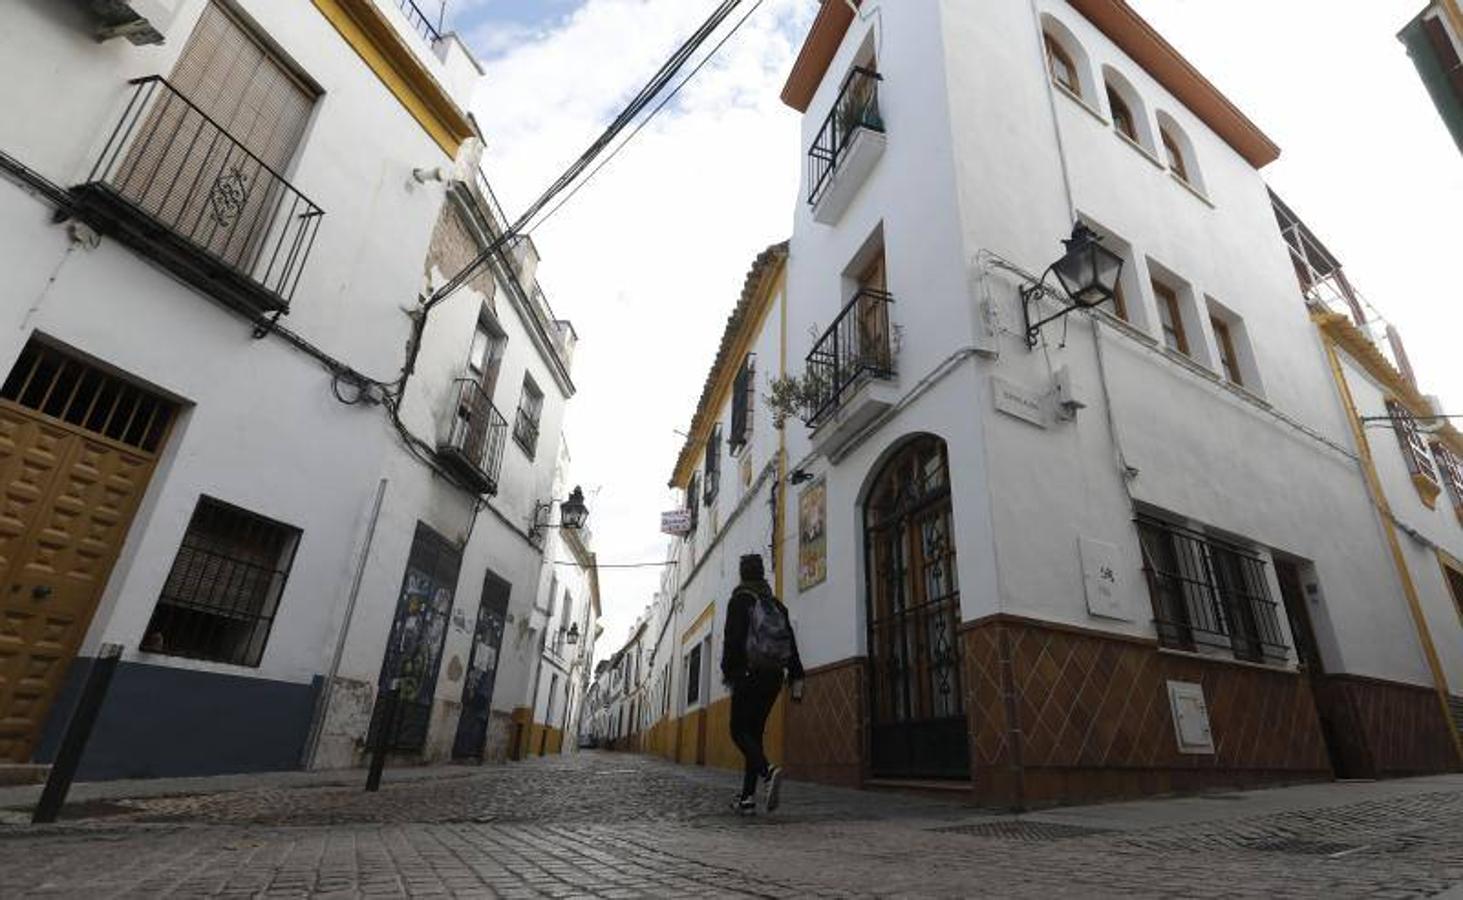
572 514
1088 272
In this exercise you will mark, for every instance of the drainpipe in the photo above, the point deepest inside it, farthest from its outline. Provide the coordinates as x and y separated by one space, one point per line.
322 702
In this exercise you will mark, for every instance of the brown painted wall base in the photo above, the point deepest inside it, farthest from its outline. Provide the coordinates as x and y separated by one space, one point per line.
1092 718
826 733
1383 728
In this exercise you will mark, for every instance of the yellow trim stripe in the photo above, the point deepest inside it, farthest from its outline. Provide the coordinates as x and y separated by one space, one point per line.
701 619
382 48
1384 512
746 335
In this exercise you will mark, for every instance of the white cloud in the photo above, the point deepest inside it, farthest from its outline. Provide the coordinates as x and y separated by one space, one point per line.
649 259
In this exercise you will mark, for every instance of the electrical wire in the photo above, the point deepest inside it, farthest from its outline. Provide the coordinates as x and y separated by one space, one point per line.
647 120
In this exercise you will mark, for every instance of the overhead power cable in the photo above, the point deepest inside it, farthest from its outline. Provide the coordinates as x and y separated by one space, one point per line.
647 120
642 99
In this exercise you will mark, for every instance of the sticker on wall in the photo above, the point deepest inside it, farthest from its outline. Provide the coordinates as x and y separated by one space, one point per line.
1102 579
813 535
1190 718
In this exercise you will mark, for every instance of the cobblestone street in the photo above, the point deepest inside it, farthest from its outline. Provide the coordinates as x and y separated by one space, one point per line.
607 825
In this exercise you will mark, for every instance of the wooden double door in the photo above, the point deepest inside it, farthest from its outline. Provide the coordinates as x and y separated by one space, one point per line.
77 449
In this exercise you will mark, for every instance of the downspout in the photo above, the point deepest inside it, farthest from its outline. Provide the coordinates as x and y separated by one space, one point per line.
1384 513
322 702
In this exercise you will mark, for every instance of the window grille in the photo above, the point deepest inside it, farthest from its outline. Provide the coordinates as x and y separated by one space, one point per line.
743 394
1414 448
1451 468
713 464
1210 593
81 394
530 408
223 591
693 489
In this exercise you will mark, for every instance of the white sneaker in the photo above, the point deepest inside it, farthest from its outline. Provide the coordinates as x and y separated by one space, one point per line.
774 787
744 806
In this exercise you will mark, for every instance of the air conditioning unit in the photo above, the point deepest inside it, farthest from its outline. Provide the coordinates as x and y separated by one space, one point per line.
139 21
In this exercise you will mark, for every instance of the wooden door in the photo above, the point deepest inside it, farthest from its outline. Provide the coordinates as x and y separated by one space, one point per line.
482 669
69 496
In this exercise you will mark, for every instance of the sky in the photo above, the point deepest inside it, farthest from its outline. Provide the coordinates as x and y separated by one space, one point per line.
649 258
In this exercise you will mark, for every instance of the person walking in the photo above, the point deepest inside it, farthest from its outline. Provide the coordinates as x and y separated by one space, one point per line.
760 653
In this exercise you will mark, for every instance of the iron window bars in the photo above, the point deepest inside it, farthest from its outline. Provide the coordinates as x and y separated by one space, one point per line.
857 107
475 442
177 184
855 347
525 432
693 502
419 21
743 390
1208 592
713 465
78 393
1414 447
1451 468
221 596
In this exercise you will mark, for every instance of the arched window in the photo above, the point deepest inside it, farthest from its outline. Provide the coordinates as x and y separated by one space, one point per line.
1059 62
1122 116
1174 154
1066 60
1178 152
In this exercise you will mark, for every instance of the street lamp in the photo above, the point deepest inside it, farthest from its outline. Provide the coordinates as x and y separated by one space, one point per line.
573 636
1088 273
572 513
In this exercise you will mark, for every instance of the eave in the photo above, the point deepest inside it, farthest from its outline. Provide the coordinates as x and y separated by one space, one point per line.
365 27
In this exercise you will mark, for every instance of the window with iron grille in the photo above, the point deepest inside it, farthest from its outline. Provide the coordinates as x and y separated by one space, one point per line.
1414 448
713 464
1451 468
693 493
223 591
530 409
1209 593
741 412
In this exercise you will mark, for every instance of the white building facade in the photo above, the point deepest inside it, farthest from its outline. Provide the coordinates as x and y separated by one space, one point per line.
221 223
1131 551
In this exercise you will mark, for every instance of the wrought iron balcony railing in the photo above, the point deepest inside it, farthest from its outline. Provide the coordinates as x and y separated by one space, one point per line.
858 346
525 432
1209 593
174 184
474 445
419 21
857 107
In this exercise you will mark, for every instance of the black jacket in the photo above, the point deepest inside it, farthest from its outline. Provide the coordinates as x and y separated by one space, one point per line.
738 621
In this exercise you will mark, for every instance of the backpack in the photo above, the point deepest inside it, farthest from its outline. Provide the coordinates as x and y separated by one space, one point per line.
769 636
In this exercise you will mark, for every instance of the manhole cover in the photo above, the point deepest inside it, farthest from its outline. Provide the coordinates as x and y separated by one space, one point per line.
1023 831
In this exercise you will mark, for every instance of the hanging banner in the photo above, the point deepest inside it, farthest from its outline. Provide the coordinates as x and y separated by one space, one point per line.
676 523
813 535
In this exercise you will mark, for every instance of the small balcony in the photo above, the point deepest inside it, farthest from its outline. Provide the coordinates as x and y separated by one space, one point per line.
175 186
847 147
851 370
525 432
475 442
420 23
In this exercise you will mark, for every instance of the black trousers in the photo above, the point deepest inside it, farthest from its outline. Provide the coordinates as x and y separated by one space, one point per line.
752 700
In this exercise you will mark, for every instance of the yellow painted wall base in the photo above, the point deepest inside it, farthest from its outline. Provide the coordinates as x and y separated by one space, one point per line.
703 737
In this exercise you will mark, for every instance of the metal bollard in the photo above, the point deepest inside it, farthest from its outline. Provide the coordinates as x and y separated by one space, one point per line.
390 703
78 731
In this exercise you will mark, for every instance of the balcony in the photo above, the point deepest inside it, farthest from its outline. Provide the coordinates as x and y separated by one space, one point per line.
174 185
431 33
474 445
850 371
847 147
525 432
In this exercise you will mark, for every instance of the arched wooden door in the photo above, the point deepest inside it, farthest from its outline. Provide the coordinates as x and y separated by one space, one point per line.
917 712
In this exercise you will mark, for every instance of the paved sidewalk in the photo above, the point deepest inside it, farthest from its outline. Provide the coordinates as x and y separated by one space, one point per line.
623 826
